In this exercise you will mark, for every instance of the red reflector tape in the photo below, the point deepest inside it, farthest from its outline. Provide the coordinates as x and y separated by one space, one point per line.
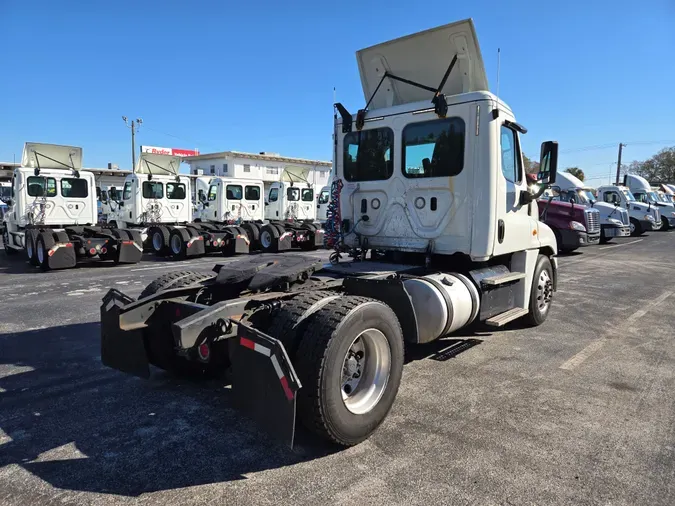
287 389
247 343
127 242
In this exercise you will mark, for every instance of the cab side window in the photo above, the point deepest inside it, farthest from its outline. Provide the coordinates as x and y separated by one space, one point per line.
127 191
510 150
274 195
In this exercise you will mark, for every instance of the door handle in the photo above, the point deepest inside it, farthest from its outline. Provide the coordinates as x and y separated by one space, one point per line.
500 231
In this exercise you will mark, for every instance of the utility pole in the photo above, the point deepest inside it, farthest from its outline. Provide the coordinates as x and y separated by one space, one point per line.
618 163
134 126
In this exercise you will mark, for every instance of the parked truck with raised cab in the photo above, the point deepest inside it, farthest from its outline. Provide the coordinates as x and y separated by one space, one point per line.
642 217
614 221
436 209
53 214
642 191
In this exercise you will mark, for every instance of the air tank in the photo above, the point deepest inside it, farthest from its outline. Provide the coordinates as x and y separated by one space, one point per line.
443 303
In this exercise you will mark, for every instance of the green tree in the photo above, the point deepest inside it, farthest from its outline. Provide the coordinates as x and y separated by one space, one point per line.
531 167
576 172
658 168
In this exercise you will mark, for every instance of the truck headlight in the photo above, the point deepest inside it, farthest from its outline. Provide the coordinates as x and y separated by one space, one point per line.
614 221
575 225
649 217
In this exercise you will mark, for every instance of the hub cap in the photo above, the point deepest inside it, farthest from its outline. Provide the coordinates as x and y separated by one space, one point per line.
157 241
265 239
365 371
632 227
544 291
29 248
176 244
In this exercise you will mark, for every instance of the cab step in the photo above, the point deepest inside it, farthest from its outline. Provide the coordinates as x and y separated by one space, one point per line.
502 319
503 278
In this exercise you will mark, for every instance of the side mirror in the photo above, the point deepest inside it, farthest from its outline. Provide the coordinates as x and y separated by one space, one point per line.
8 202
548 163
121 204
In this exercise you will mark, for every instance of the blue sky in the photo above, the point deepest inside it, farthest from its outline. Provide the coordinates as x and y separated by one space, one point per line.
259 75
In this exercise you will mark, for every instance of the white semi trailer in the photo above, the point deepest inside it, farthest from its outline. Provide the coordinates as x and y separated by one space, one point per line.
436 207
642 217
614 221
52 215
642 191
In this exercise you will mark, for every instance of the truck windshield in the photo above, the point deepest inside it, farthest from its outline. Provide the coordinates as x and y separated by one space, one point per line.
653 197
629 195
586 196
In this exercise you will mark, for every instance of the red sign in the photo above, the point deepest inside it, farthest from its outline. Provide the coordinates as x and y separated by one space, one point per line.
169 151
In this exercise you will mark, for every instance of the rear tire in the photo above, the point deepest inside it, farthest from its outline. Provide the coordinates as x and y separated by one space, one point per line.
327 363
269 239
541 294
30 238
159 240
44 243
177 245
167 281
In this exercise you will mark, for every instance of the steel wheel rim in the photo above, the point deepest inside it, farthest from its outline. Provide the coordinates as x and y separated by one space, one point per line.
265 239
176 244
544 291
365 371
41 253
29 248
157 241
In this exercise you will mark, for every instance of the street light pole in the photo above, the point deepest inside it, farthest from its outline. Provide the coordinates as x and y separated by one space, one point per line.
618 162
134 126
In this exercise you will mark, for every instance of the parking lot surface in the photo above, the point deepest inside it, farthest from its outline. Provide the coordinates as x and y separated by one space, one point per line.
580 410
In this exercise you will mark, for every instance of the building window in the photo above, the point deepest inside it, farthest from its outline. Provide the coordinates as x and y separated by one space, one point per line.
272 171
433 148
213 170
224 168
247 168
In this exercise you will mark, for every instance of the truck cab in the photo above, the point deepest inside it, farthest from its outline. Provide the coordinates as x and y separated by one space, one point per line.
292 201
232 201
574 225
154 193
614 220
643 217
643 192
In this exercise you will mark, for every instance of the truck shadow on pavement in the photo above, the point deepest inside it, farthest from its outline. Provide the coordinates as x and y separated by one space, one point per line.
81 426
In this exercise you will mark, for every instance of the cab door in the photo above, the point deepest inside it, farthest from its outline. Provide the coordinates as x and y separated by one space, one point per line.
516 229
274 203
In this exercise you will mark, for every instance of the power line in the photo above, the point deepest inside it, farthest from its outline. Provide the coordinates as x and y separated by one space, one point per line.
613 145
191 141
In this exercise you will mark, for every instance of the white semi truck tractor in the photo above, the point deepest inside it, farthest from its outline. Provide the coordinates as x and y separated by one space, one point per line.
435 207
642 217
642 191
52 214
290 211
614 221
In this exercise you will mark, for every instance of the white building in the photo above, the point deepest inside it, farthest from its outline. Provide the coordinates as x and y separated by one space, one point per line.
268 167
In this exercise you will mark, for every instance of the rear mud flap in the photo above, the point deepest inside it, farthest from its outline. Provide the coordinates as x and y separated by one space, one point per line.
286 241
62 256
195 246
264 383
318 238
123 350
242 244
129 252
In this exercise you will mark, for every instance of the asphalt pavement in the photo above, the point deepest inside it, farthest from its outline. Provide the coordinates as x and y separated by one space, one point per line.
580 410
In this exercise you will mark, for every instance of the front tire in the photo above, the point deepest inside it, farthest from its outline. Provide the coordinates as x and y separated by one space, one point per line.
635 227
350 362
541 295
